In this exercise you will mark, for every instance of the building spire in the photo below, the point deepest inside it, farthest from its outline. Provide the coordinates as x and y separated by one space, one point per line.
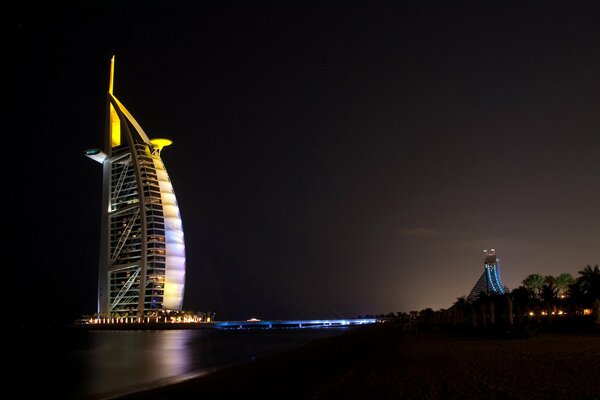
112 75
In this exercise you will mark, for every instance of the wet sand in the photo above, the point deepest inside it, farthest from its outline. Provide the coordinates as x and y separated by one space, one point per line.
383 363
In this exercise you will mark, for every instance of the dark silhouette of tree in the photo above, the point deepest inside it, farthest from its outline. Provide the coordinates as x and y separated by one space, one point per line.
589 280
460 302
549 280
549 295
576 297
427 316
458 308
522 297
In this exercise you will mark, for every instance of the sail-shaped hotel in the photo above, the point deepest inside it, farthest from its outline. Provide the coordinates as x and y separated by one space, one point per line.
142 250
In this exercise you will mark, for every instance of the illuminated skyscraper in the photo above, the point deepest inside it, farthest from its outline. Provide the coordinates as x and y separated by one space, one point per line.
489 282
142 250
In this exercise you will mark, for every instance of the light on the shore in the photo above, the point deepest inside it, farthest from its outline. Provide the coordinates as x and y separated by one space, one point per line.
531 313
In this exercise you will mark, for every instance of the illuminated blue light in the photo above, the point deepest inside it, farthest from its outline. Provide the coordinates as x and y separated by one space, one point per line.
498 282
293 324
490 280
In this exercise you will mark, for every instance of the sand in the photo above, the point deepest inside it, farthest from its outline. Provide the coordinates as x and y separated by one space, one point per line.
383 363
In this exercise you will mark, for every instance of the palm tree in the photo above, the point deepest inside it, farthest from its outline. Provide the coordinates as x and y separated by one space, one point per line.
590 282
562 282
521 298
549 295
458 308
576 297
534 282
549 280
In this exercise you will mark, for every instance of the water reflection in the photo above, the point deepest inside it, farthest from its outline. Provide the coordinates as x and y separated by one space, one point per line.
120 358
82 364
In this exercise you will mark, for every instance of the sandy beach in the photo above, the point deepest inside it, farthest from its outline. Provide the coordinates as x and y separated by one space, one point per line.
382 362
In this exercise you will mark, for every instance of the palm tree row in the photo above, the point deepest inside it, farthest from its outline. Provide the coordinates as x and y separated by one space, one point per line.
538 296
581 292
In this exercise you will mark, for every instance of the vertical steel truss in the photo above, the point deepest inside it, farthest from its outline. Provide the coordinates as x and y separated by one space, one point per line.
125 235
121 179
124 289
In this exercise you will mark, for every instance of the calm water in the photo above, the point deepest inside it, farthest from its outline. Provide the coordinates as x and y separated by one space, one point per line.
99 364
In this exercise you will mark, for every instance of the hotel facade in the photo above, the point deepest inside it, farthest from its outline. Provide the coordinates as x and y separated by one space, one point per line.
142 249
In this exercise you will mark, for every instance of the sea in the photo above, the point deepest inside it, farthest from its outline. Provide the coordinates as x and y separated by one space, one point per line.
88 364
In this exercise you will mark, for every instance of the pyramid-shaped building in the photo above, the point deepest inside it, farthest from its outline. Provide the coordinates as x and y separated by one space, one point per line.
489 282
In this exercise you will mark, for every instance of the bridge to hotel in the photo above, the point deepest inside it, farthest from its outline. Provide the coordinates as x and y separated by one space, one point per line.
299 323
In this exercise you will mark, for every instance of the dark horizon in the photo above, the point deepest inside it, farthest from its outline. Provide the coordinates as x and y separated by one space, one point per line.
329 159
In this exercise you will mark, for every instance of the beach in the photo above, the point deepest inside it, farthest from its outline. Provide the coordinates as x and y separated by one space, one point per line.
383 362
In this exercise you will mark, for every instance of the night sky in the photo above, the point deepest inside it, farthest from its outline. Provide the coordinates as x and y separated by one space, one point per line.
330 159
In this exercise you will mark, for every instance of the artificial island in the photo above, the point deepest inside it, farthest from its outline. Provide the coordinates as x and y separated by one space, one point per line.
142 264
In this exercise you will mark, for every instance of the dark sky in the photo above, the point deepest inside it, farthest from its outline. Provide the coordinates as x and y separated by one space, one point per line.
330 158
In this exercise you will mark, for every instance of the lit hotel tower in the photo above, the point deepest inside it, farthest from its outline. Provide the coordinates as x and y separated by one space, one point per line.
489 282
142 251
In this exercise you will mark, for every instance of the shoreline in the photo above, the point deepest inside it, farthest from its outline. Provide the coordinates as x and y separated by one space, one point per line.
384 362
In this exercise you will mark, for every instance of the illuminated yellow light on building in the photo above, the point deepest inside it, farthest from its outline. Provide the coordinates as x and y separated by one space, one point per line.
115 122
115 128
159 143
587 311
531 313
